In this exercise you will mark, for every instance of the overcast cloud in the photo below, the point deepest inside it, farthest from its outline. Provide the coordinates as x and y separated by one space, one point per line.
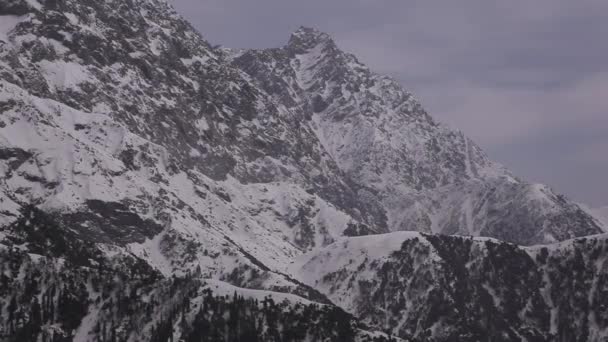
527 80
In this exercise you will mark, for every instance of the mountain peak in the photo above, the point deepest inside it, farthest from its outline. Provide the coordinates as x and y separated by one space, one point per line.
306 38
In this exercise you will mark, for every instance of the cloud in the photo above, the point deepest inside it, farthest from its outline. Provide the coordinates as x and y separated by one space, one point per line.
499 115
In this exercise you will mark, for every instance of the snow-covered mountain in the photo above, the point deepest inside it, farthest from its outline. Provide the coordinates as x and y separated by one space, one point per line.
441 288
421 174
136 156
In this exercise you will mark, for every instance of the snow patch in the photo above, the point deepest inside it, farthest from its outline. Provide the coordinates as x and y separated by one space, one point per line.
8 24
63 75
220 288
202 124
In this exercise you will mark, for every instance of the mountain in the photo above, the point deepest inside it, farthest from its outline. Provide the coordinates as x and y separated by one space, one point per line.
439 288
78 291
423 175
152 185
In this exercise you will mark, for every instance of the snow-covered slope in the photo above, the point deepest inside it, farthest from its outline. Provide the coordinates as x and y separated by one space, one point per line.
156 145
442 288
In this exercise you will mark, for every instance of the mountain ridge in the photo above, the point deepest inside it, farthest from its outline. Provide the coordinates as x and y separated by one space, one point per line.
424 156
427 287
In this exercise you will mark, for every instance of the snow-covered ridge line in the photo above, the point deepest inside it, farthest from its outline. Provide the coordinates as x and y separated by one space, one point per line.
413 284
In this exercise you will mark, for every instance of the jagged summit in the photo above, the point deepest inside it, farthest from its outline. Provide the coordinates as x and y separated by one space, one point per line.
305 38
424 175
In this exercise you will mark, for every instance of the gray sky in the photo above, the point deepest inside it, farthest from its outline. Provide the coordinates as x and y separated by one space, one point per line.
527 80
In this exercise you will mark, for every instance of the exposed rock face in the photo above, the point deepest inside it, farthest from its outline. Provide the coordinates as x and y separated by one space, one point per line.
127 140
